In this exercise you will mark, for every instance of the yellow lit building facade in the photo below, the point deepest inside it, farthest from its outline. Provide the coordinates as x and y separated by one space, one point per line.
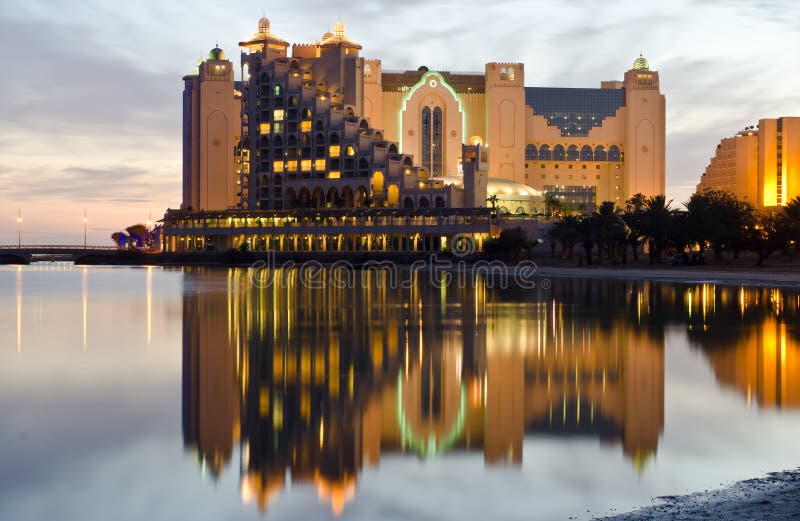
211 108
323 127
759 165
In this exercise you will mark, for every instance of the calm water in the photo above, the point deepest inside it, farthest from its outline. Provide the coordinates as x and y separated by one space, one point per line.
164 394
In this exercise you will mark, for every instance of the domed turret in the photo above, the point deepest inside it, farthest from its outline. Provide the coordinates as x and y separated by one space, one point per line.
641 64
263 36
216 54
338 28
338 38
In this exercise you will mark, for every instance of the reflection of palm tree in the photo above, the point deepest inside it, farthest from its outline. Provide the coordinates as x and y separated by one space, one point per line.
493 200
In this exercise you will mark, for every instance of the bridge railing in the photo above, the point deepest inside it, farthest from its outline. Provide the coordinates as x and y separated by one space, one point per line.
50 247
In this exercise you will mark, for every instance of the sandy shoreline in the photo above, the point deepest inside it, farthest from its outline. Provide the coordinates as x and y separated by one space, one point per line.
776 496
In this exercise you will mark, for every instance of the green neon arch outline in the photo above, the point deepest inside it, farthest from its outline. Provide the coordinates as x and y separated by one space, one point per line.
429 447
424 81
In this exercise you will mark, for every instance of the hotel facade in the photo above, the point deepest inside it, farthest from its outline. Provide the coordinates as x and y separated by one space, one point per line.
319 128
760 164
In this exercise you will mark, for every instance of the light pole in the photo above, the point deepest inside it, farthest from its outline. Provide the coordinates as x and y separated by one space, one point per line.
84 229
19 228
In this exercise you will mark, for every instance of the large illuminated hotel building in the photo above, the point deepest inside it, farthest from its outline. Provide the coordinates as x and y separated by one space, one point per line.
760 165
319 127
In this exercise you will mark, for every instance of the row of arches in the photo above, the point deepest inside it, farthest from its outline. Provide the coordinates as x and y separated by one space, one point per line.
572 153
424 202
312 197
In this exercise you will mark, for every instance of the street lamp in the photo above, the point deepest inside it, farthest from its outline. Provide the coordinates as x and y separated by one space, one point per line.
19 228
84 229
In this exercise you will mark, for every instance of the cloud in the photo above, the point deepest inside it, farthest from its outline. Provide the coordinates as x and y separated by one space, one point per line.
108 184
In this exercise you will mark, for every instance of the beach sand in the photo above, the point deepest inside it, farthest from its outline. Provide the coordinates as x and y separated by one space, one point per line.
776 496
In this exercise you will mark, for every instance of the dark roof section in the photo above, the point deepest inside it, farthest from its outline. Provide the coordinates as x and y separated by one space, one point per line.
461 82
574 111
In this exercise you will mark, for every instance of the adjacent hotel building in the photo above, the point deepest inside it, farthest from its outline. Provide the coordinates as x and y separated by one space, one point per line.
760 164
318 128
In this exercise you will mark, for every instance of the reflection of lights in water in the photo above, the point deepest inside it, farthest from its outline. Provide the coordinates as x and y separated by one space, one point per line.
432 446
19 309
85 301
149 292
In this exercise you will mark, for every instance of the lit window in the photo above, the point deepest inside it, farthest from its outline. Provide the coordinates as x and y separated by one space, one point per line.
264 128
291 166
350 151
333 175
319 165
277 115
305 165
277 90
305 126
277 128
334 150
277 166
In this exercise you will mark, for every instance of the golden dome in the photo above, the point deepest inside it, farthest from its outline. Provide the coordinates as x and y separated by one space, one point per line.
263 36
338 38
641 64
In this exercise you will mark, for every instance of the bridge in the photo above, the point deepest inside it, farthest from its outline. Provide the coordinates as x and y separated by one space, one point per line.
27 253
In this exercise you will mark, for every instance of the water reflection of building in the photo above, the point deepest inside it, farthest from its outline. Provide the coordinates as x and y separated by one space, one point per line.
210 394
323 381
753 346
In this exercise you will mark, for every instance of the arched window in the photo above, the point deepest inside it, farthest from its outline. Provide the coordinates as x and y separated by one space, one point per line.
363 167
349 111
531 154
293 101
393 148
586 153
319 125
278 179
572 153
425 123
408 202
613 153
306 140
307 114
367 70
424 203
510 74
291 141
503 74
439 202
600 153
334 139
278 141
558 153
438 144
319 138
545 154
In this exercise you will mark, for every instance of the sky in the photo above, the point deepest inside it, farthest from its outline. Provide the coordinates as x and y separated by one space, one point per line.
90 112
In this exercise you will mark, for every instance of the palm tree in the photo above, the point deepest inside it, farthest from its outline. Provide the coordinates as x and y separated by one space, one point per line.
609 227
551 204
789 222
656 222
492 200
636 203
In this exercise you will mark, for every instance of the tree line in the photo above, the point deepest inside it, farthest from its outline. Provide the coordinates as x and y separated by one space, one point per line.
712 220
